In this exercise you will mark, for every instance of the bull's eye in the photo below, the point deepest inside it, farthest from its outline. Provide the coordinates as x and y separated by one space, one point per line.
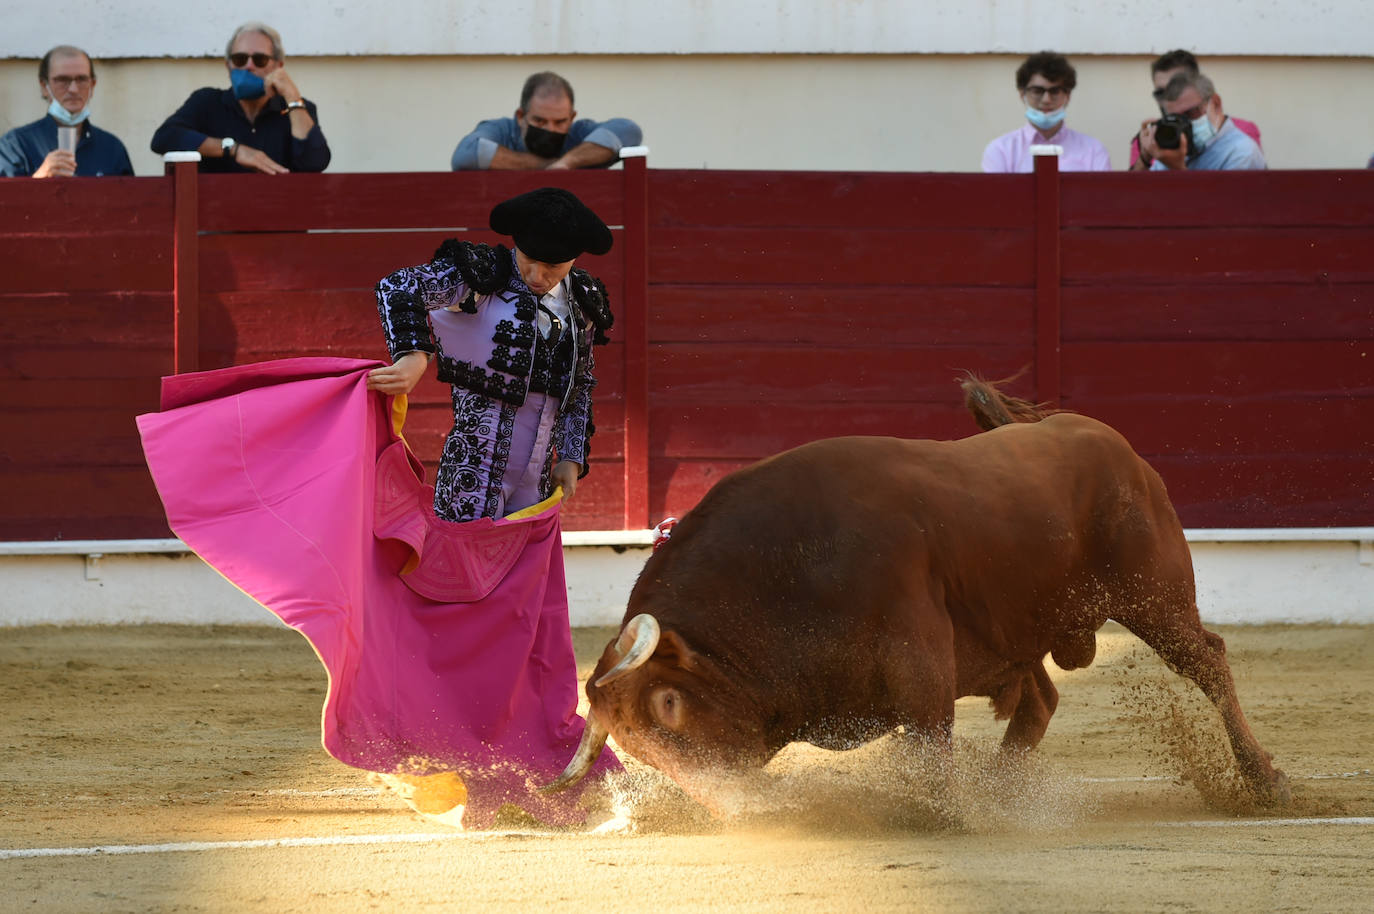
666 704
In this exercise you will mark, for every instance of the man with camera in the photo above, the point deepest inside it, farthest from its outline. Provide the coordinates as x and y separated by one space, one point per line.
1194 133
1164 68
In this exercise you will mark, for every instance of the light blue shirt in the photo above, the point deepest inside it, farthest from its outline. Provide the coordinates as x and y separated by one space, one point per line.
475 151
1229 150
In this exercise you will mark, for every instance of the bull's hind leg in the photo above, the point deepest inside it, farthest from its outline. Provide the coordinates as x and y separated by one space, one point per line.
1197 654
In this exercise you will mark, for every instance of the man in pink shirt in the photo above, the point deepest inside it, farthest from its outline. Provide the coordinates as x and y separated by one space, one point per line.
1044 82
1165 68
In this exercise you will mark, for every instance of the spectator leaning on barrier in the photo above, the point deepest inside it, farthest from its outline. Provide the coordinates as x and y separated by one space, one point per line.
1165 68
1044 82
545 133
66 80
1210 142
261 123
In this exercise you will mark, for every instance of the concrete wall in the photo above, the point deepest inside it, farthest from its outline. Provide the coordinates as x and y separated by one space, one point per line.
1237 582
846 112
149 28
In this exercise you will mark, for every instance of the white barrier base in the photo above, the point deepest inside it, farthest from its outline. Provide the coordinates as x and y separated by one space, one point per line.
1304 578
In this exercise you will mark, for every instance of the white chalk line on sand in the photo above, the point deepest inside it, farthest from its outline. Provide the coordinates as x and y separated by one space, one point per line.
1143 778
115 850
184 846
1270 823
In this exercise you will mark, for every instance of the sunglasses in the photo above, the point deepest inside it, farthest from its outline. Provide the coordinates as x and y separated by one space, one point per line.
240 60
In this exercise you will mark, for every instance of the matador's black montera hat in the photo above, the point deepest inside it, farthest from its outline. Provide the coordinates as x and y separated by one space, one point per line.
551 225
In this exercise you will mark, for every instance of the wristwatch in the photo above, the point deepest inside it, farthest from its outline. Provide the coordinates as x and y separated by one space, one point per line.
228 145
298 103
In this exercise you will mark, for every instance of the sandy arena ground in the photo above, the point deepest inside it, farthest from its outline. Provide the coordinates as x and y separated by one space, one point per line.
146 736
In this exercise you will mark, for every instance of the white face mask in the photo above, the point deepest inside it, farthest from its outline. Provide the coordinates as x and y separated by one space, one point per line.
1044 120
1202 135
63 116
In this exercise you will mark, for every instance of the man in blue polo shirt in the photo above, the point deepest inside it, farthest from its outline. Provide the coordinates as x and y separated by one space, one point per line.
1215 143
545 133
66 80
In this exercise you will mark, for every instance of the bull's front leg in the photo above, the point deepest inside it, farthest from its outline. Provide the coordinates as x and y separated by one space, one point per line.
1031 715
1197 654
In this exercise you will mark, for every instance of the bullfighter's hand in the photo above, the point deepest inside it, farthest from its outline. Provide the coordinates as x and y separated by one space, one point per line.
57 164
565 474
399 377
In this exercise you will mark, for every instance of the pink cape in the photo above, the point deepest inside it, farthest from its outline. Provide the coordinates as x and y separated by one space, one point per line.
446 644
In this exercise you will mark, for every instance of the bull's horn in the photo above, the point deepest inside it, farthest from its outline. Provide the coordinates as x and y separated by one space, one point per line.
636 646
593 738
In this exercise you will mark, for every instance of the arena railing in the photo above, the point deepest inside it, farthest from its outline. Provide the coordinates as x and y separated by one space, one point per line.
1231 342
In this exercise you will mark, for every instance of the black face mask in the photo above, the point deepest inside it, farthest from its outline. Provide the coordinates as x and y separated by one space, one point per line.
546 144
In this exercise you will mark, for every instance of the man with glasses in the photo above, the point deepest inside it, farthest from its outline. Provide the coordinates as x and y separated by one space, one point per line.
66 80
1044 83
1164 69
1213 143
261 123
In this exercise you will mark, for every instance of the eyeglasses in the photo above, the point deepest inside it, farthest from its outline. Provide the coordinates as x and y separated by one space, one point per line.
66 82
240 60
1035 93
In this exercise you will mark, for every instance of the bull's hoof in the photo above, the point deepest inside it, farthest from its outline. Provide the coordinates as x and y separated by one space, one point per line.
1277 792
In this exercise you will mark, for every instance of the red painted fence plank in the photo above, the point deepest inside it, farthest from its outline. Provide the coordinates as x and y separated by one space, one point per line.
1198 370
1233 199
840 315
855 256
1223 312
799 199
692 373
437 200
1276 255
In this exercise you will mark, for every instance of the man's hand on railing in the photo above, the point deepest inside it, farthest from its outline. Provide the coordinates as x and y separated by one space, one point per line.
401 376
257 160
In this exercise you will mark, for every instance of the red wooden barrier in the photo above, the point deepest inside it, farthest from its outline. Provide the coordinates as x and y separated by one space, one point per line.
1233 343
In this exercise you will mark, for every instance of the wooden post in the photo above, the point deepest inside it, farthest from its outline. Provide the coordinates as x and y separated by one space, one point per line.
1047 278
634 323
184 169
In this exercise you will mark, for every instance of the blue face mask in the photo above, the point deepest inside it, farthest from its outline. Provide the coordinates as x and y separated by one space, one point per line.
247 84
1202 135
1044 120
63 116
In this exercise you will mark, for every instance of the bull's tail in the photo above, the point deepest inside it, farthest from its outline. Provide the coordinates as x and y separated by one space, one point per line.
992 408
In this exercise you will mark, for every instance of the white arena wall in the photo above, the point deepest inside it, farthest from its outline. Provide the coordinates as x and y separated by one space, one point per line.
1243 576
853 85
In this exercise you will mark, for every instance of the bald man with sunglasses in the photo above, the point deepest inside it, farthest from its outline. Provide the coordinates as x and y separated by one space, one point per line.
261 123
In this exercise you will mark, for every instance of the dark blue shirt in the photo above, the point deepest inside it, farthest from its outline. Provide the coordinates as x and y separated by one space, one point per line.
98 152
216 113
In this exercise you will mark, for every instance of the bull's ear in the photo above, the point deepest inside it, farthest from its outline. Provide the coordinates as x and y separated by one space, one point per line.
673 650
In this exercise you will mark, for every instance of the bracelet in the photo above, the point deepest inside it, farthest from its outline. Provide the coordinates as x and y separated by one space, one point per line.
290 106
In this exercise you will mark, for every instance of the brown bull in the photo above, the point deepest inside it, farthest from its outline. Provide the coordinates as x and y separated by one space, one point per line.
847 587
